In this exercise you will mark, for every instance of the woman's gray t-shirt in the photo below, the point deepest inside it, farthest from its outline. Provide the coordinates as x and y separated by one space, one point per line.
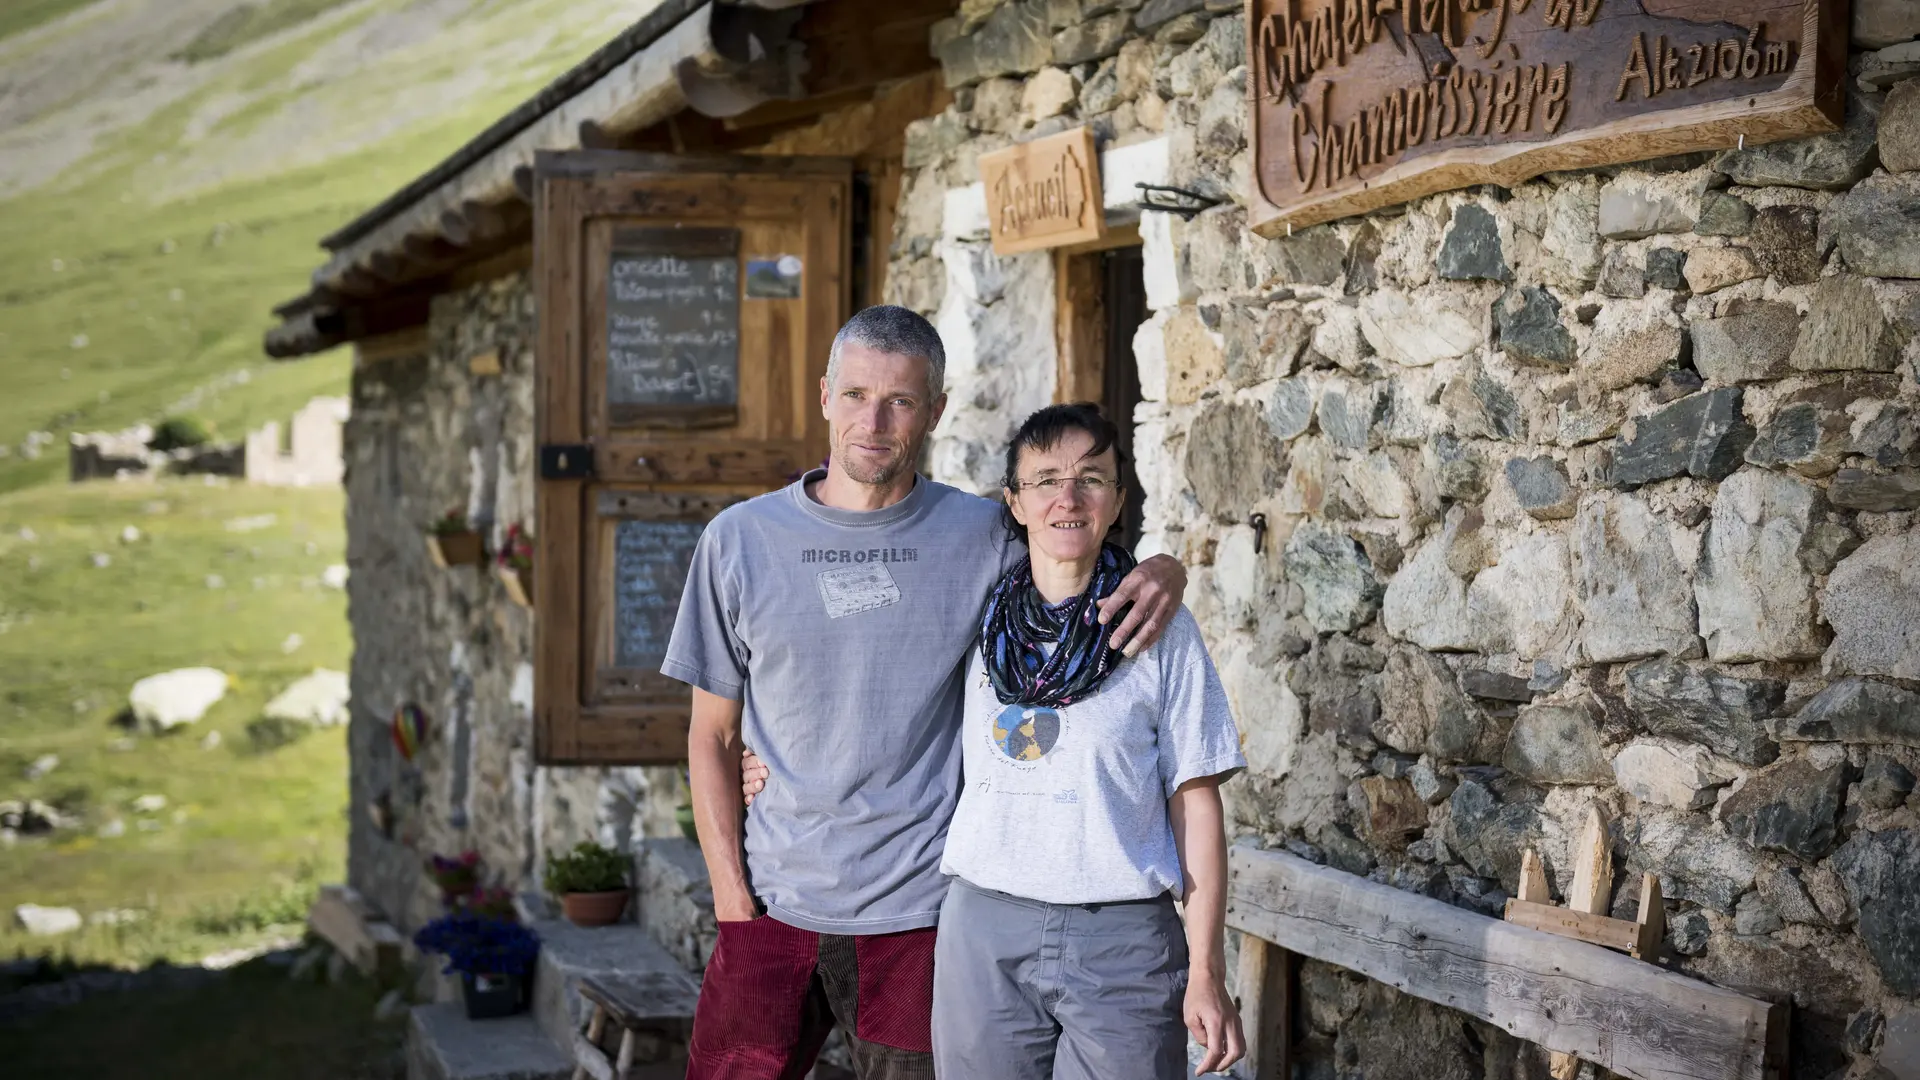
844 633
1069 805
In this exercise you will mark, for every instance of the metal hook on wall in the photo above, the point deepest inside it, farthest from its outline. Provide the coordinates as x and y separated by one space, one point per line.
1183 202
1259 523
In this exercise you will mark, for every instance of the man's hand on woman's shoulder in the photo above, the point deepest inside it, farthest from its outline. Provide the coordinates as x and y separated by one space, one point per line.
1155 588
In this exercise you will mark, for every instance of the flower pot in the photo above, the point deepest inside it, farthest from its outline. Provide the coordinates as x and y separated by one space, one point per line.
490 996
456 549
594 908
519 584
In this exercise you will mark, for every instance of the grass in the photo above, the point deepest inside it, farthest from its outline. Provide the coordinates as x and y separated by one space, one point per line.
138 285
113 306
19 16
249 23
247 832
254 1023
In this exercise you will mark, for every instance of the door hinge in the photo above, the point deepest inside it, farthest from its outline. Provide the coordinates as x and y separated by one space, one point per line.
566 461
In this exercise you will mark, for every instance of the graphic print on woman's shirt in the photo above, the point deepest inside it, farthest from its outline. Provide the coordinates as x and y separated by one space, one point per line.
1026 732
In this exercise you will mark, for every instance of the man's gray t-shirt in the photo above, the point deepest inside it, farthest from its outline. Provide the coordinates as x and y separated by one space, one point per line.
844 633
1069 805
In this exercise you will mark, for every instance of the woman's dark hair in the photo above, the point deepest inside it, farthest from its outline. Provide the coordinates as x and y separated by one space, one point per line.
1043 431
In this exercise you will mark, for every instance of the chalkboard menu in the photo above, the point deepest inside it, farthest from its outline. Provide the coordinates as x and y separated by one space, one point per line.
650 561
673 325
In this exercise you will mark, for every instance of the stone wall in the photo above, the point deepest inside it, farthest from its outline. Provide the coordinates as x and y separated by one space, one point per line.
426 435
1596 490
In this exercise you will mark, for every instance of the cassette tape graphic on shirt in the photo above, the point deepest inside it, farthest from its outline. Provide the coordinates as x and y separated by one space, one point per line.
850 590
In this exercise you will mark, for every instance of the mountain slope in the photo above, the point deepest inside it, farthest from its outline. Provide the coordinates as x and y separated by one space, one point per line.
166 170
167 167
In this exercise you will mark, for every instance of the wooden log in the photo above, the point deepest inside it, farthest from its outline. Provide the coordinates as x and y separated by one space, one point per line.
1633 1018
431 250
1266 1008
390 267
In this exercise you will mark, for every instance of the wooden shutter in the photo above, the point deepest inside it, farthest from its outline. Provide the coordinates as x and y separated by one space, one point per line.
686 308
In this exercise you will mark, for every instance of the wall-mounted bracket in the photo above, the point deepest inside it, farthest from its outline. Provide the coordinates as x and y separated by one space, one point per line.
1173 200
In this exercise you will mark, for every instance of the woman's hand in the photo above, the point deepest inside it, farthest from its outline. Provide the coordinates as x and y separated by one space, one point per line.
1155 589
1214 1021
753 775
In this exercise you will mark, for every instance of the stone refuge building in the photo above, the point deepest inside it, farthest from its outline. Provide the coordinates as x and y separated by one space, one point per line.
312 447
308 455
1500 503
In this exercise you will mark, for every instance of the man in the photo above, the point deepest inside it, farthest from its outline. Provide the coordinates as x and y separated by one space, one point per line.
826 625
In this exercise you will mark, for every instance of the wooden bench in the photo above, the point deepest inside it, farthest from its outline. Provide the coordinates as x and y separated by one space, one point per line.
653 1010
1635 1018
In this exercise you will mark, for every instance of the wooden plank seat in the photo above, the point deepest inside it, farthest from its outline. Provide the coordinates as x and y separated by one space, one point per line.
653 1011
1631 1017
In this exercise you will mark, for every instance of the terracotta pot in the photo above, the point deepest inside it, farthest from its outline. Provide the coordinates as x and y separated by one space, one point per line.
594 908
455 549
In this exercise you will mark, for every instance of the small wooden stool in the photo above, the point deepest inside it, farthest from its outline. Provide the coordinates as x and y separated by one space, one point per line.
652 1006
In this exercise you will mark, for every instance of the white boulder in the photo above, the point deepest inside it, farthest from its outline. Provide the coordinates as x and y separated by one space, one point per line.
47 921
319 699
175 698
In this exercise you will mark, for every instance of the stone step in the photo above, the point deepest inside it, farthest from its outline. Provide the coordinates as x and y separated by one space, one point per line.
675 901
442 1044
569 953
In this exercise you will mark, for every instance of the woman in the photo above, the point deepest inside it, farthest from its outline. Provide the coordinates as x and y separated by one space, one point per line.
1091 801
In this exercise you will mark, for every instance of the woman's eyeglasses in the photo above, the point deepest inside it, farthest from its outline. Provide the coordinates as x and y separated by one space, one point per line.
1053 486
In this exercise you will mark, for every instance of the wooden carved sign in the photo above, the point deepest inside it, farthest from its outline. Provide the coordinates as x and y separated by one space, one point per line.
1358 104
1044 193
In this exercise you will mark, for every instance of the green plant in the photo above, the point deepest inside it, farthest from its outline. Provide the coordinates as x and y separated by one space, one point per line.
273 732
283 904
450 523
589 867
180 432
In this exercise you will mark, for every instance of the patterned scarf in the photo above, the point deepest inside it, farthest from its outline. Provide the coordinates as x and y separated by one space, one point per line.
1018 621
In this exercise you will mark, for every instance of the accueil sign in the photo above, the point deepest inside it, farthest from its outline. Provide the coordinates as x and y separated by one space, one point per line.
1043 193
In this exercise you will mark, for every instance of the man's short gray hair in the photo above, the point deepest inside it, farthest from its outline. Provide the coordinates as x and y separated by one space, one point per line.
889 328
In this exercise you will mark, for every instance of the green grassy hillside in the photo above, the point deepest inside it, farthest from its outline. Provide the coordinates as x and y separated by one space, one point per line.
219 577
170 172
19 16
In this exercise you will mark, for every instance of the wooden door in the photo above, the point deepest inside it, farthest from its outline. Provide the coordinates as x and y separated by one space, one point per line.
1100 300
686 309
